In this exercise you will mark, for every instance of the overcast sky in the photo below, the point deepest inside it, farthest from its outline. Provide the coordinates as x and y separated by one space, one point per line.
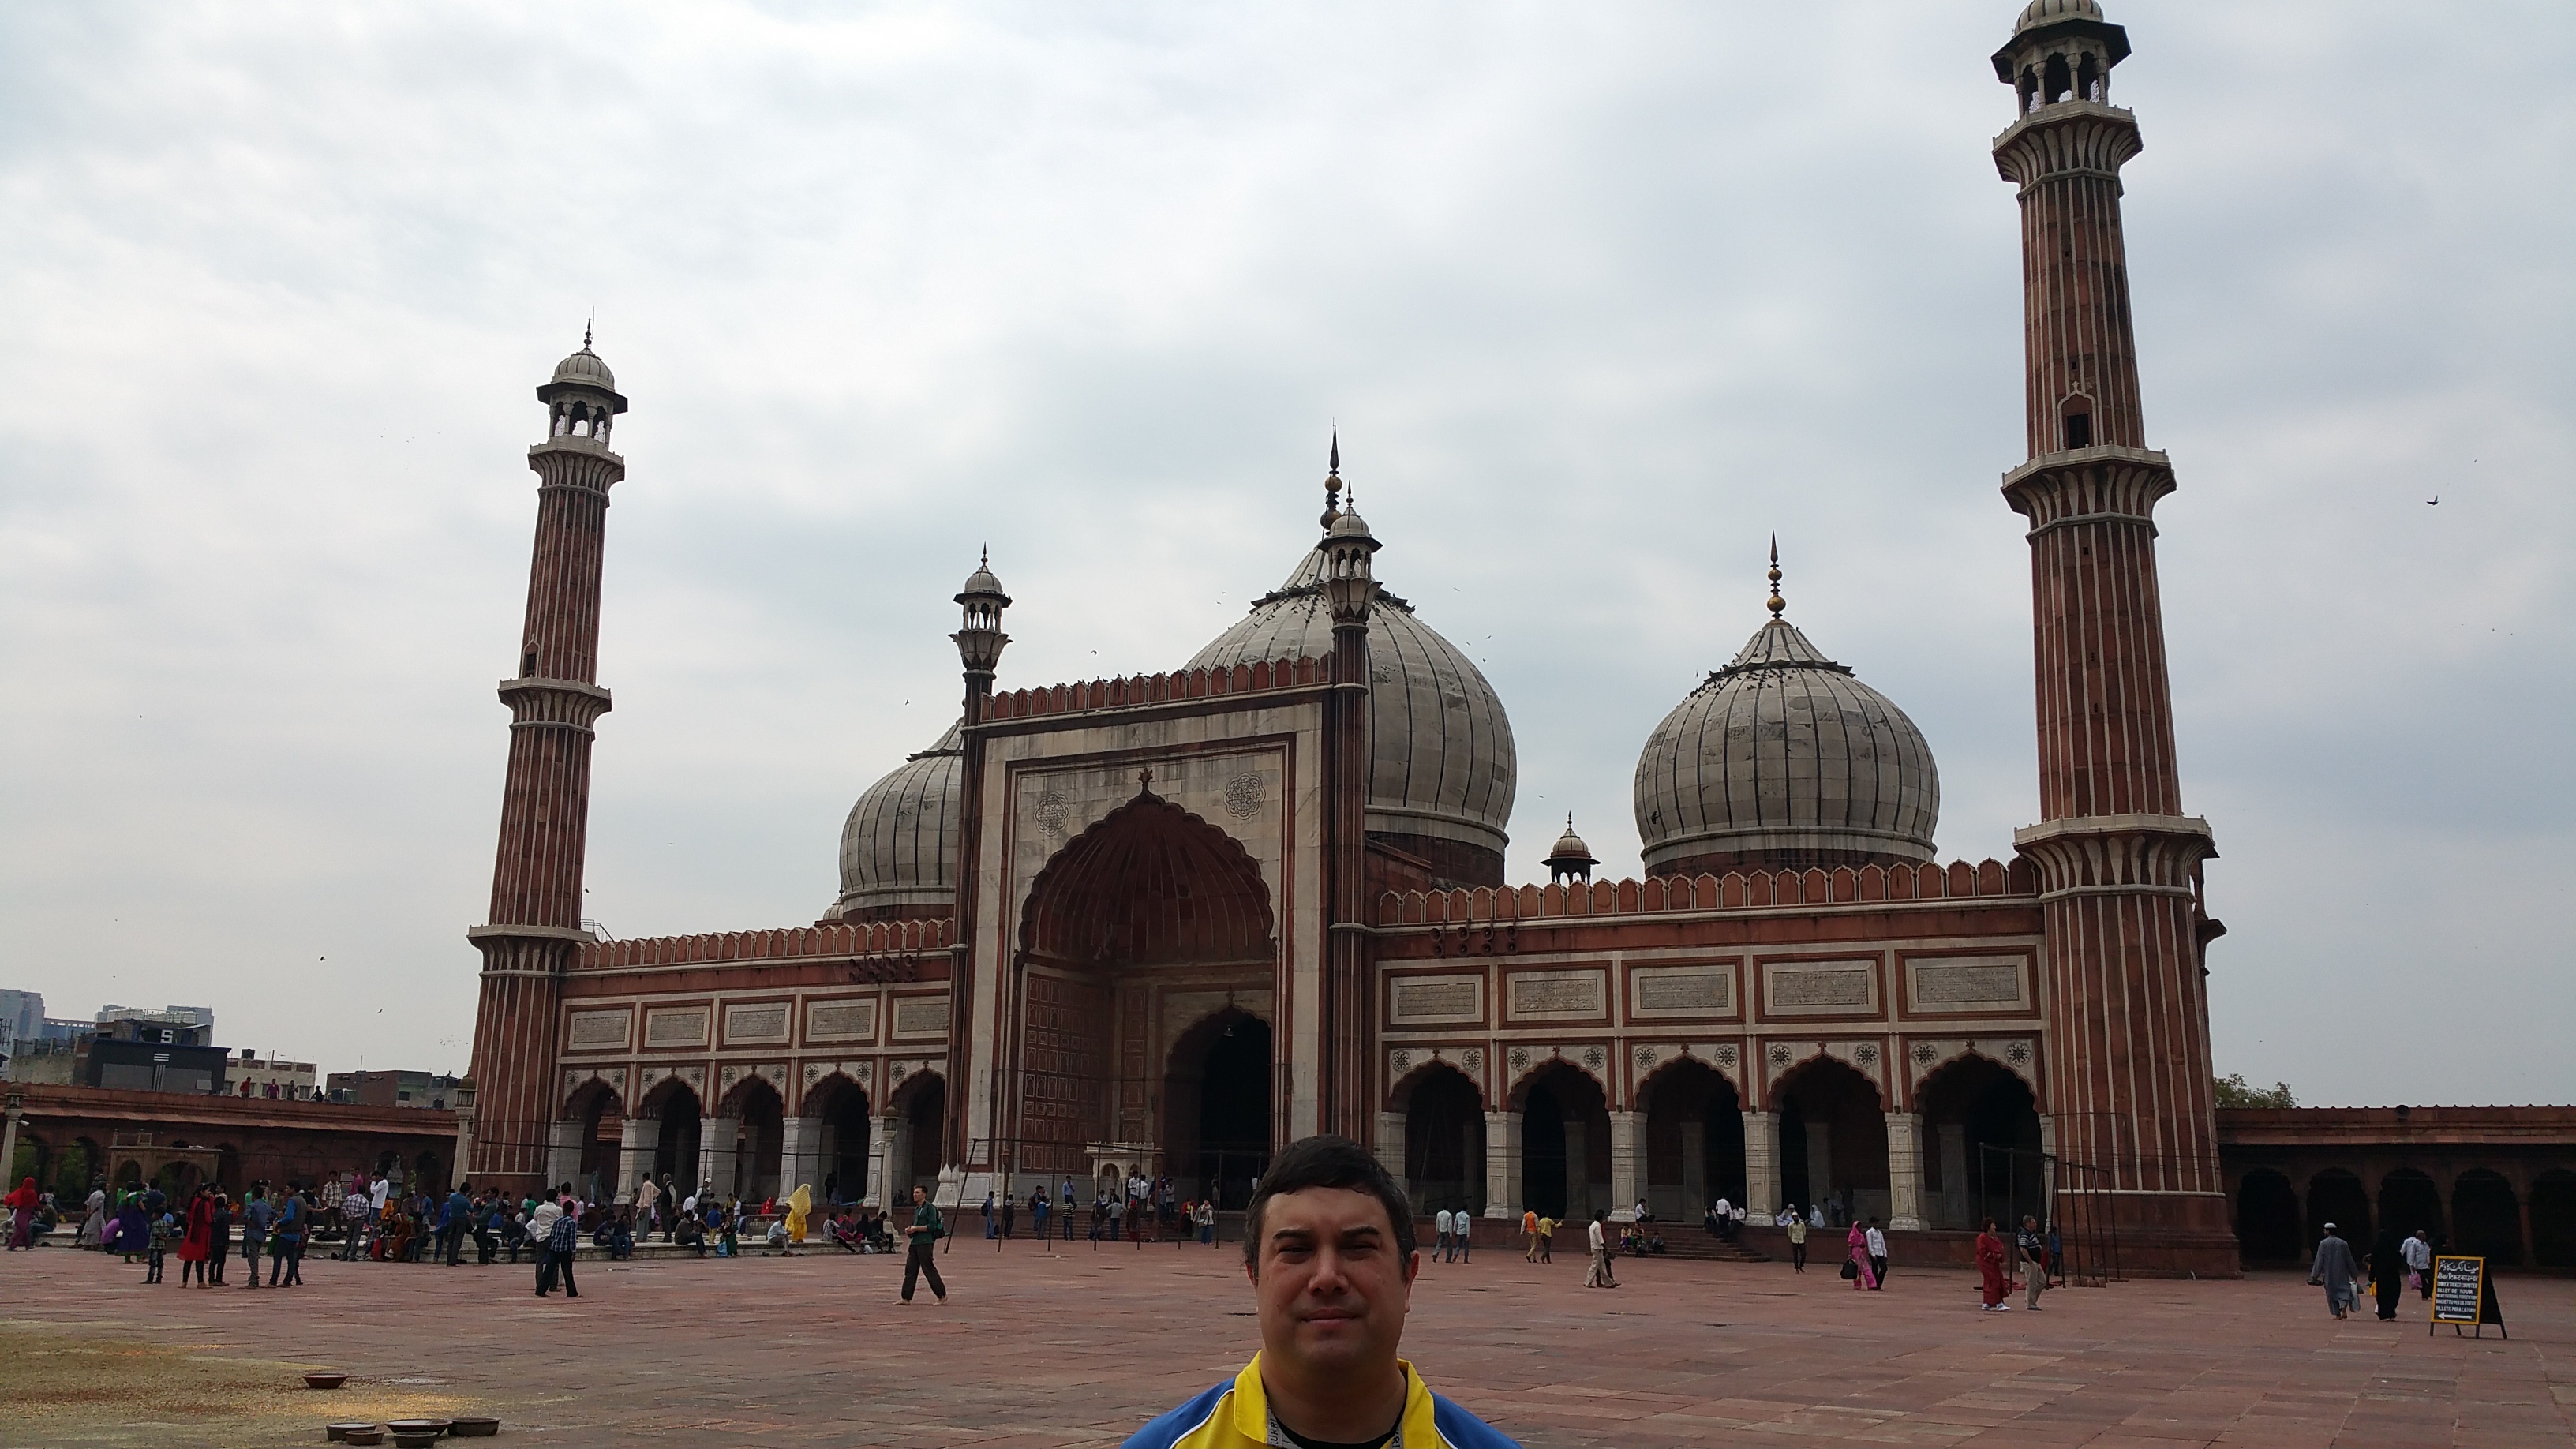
1600 296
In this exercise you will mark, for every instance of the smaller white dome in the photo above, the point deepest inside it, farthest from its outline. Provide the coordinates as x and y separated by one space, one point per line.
584 367
899 847
2048 12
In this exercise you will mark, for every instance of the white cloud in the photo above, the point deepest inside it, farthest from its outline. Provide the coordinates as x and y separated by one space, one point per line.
1599 298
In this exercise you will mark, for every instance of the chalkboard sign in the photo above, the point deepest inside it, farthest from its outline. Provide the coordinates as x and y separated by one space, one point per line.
2462 1294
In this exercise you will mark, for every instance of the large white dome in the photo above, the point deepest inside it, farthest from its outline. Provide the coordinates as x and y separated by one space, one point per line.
1442 771
899 848
1782 758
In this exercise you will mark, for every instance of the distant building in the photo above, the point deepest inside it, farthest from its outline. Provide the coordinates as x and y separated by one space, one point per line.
165 1016
143 1053
22 1019
274 1078
399 1089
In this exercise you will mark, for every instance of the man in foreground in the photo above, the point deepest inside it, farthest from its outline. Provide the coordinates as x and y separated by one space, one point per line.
1328 1246
921 1239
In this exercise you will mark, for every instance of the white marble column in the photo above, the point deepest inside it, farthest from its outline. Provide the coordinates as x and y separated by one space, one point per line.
1502 1164
1627 1164
1761 1166
881 1132
636 1139
799 1155
563 1156
715 1152
1390 1149
1905 1172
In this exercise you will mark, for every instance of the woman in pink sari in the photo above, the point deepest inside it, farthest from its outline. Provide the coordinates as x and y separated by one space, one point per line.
1859 1242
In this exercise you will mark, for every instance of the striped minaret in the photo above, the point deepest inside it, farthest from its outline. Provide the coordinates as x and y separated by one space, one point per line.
535 927
2128 1063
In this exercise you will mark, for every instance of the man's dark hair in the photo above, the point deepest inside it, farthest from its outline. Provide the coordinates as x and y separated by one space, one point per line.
1327 1161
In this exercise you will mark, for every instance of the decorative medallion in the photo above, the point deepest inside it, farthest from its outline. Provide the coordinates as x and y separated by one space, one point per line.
1051 811
1595 1058
1243 796
1473 1059
896 1073
1520 1060
1779 1057
1402 1062
1924 1052
2018 1054
1866 1054
1726 1056
1645 1056
814 1072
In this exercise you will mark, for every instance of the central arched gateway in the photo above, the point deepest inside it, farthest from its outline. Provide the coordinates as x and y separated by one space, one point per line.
1146 968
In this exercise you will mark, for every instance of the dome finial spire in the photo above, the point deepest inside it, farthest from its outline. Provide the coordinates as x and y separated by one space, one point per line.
1333 481
585 331
1775 603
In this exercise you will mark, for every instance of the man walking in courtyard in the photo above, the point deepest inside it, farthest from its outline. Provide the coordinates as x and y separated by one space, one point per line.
1877 1242
2034 1261
2334 1269
920 1238
1597 1238
1328 1245
1529 1234
1440 1236
1797 1243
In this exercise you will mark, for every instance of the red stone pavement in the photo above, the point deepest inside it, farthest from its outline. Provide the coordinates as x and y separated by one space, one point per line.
1078 1347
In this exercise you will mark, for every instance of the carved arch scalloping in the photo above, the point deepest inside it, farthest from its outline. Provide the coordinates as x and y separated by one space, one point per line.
1867 1056
1469 1062
2018 1055
1590 1058
1725 1058
576 1079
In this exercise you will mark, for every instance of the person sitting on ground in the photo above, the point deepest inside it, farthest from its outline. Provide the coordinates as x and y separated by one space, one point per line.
621 1237
1328 1247
690 1234
1654 1239
777 1235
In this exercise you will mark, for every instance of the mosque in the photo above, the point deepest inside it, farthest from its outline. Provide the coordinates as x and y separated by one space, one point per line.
1167 923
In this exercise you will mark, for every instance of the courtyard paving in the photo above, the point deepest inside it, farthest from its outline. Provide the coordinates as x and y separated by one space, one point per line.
1077 1347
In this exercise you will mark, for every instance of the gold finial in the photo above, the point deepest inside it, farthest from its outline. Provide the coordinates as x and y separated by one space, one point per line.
1333 480
1775 603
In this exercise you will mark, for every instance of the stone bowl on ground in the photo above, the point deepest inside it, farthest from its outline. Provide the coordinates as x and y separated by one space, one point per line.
473 1426
432 1427
420 1439
368 1435
328 1380
339 1433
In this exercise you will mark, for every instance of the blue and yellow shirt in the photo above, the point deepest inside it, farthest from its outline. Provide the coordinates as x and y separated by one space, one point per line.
1236 1415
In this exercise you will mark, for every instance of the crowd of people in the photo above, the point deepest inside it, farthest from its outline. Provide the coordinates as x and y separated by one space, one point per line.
1140 1210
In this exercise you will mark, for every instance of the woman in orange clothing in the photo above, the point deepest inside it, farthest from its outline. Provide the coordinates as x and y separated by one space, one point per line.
1990 1265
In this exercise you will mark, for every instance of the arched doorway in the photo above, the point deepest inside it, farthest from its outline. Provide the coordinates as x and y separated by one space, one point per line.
1565 1144
2336 1196
2267 1218
1444 1141
1217 1107
673 1109
1833 1141
1694 1140
2408 1200
2488 1218
760 1135
596 1113
1146 889
2553 1219
923 1104
839 1109
1981 1148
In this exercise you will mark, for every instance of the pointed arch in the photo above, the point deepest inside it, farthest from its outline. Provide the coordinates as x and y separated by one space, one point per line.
1148 884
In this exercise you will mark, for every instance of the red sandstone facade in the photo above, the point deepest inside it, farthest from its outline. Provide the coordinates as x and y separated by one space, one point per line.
1166 923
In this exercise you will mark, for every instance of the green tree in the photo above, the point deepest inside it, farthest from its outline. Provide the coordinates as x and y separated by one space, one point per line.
2235 1091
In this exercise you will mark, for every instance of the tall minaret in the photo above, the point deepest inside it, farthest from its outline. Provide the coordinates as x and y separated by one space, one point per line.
535 927
1350 588
2128 1072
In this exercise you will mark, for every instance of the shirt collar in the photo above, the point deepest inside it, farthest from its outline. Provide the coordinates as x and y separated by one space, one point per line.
1252 1418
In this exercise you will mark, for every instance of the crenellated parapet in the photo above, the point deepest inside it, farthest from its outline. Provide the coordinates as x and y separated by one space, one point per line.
1734 891
836 941
1129 692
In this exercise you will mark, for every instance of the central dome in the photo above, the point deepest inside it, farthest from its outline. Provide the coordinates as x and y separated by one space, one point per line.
1442 771
1784 759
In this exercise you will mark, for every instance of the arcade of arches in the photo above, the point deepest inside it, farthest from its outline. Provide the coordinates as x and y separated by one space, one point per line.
2495 1182
1560 1149
754 1148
